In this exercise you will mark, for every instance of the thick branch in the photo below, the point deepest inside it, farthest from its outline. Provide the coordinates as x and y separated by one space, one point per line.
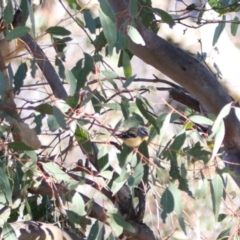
41 58
45 66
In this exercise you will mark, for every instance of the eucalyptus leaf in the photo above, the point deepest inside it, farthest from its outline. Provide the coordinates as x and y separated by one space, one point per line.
216 187
17 32
135 36
107 19
58 30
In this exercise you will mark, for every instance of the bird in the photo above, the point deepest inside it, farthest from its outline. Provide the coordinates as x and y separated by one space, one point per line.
133 137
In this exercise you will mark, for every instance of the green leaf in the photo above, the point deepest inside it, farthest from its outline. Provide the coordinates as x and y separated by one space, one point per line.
32 155
107 19
38 121
33 67
72 82
132 159
177 205
164 127
218 31
167 203
216 187
78 205
201 120
61 68
59 117
191 7
90 23
133 8
4 183
164 16
234 26
218 139
121 61
94 230
118 223
2 86
144 111
112 237
109 74
44 108
8 13
224 235
129 81
125 107
117 185
223 113
102 152
221 217
106 174
19 146
55 171
83 72
59 45
20 75
97 57
24 12
100 42
57 30
101 235
134 35
8 232
127 67
123 156
75 218
138 174
32 19
198 152
82 137
96 105
178 142
17 32
215 4
52 123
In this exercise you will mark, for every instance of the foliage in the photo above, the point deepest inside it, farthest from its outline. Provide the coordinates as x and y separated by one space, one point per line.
35 183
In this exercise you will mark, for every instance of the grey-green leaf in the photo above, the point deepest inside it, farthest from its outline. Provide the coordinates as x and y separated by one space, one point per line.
57 30
167 203
59 117
234 26
218 31
135 36
216 187
108 22
8 13
17 32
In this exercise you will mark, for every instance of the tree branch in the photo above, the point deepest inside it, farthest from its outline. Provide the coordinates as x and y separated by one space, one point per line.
41 59
45 66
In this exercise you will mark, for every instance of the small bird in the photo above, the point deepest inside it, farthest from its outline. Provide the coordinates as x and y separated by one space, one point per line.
133 137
